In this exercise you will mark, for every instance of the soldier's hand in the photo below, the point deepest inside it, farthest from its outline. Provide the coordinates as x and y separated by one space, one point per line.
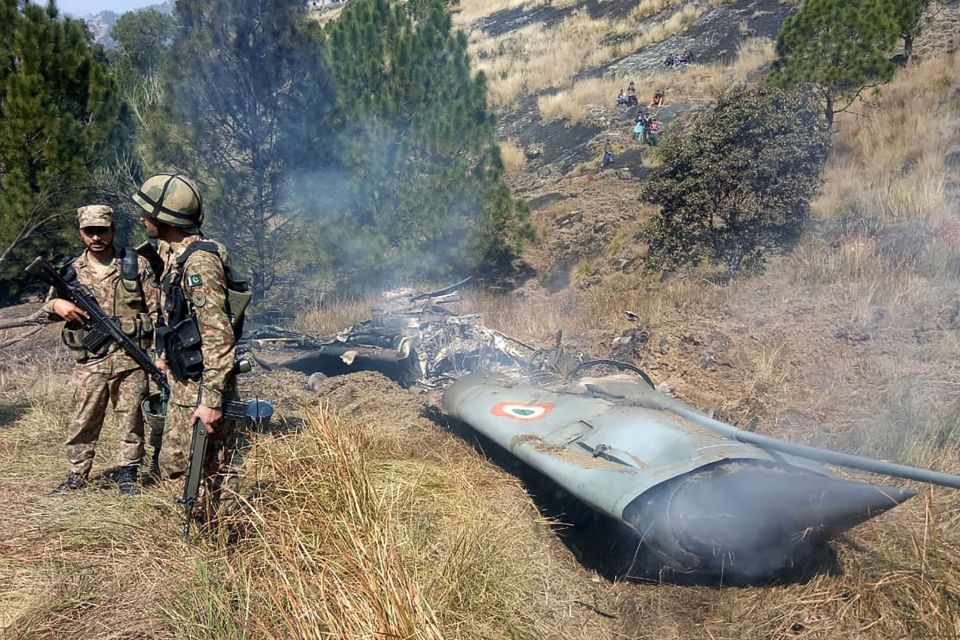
161 364
209 417
69 311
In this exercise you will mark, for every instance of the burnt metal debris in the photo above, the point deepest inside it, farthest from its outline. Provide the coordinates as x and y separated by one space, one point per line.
701 495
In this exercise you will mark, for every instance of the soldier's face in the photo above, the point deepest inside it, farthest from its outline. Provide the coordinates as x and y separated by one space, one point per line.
153 232
97 239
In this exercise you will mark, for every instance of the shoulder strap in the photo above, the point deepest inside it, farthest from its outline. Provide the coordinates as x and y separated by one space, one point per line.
199 245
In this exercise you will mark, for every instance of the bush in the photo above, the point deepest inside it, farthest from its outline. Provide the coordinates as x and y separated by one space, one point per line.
738 182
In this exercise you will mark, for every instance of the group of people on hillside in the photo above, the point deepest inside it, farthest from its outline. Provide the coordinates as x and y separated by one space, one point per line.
629 98
678 59
647 129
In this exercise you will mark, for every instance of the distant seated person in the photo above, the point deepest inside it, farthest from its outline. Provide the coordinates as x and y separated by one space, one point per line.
632 95
608 157
622 99
657 100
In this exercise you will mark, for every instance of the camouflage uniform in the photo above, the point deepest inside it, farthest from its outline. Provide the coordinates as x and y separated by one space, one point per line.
205 289
111 375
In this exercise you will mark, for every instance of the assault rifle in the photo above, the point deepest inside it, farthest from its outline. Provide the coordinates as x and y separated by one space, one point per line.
232 410
102 329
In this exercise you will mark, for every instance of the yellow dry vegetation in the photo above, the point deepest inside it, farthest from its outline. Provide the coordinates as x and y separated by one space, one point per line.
696 82
513 156
890 165
529 60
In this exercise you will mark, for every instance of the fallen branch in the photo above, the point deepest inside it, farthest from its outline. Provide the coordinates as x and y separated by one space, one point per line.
20 338
29 321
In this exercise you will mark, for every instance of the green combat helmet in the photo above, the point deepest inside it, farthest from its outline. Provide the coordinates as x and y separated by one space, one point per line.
172 199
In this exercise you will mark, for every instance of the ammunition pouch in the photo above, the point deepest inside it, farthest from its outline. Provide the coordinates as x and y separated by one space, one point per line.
180 346
83 344
145 330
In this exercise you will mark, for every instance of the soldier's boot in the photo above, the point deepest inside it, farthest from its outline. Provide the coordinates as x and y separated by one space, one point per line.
74 482
128 479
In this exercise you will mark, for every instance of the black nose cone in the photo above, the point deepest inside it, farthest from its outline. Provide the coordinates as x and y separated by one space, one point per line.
754 520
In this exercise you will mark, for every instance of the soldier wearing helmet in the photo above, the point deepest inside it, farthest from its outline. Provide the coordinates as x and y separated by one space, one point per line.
119 283
195 337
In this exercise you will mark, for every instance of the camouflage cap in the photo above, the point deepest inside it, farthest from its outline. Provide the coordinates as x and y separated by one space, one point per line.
95 215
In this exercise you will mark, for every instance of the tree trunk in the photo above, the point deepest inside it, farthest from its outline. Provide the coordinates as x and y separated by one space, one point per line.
828 110
907 45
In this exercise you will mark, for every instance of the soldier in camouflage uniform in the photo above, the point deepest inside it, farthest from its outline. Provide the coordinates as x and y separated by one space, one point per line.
121 285
195 338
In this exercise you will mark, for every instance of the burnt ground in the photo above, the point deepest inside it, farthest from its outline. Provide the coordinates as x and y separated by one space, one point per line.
712 37
555 149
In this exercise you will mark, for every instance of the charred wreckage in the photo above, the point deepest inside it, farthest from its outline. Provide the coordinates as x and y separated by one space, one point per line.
702 496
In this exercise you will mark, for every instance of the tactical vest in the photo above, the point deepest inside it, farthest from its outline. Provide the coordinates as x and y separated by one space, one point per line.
178 338
129 310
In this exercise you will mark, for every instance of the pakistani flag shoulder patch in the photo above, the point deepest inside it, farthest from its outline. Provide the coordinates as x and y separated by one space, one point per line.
194 280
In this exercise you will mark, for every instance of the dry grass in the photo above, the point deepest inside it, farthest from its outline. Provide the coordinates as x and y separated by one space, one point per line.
890 164
466 13
356 544
348 531
700 82
513 156
328 315
528 60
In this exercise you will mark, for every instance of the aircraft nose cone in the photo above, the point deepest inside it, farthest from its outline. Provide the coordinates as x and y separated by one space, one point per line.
736 508
751 521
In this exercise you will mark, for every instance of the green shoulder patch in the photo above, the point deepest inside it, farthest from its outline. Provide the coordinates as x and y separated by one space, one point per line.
194 280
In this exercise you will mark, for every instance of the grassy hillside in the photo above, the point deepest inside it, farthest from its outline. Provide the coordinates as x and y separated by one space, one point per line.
365 519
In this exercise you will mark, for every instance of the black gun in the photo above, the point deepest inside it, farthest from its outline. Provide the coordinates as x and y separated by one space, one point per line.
100 327
232 410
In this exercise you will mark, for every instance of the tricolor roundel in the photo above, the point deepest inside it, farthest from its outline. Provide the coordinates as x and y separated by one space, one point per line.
524 411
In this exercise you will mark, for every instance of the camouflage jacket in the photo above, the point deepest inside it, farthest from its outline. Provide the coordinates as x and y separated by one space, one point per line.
134 305
205 288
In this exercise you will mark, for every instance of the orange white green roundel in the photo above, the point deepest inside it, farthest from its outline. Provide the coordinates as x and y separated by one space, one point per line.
523 411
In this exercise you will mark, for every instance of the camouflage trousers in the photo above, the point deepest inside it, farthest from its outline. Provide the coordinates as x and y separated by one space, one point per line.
221 465
124 390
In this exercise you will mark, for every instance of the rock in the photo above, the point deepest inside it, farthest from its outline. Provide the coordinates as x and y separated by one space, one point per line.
315 381
567 221
852 336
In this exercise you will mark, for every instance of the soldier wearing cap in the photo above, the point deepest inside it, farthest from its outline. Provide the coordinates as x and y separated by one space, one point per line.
196 342
120 284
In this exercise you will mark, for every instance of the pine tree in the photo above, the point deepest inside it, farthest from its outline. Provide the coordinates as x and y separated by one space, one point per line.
244 109
425 196
839 48
61 123
907 14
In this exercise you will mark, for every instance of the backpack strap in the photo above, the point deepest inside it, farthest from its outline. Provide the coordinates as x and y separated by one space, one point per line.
199 245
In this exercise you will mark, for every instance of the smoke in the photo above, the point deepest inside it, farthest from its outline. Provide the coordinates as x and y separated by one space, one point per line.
385 213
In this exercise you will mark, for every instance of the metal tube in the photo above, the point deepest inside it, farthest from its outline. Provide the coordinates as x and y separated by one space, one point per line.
814 453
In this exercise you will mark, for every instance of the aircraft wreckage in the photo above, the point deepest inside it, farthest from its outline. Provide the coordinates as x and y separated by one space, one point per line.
703 496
